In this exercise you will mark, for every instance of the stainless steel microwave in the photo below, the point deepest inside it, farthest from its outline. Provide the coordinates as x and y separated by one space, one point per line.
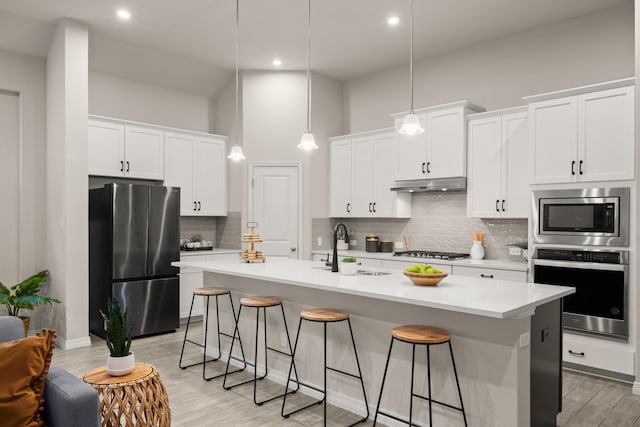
589 216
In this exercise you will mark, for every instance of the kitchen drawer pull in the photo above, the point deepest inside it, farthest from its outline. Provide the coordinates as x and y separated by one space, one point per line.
497 207
486 276
199 206
370 207
423 165
374 207
127 165
573 167
195 206
580 168
573 353
428 164
348 207
121 166
502 205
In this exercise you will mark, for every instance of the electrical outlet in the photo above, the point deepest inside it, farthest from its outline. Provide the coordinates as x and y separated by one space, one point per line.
399 246
319 241
283 340
353 242
525 340
514 250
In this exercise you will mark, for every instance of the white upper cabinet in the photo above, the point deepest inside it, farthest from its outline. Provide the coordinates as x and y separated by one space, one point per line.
497 185
197 164
362 171
340 178
583 134
121 149
439 152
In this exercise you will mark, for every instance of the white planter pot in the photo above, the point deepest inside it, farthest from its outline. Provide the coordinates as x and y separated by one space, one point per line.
341 245
118 366
348 268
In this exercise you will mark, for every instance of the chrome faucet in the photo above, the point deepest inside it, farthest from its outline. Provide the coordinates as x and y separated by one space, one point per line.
334 262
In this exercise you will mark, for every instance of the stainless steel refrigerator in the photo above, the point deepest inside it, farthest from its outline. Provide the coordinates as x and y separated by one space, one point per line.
134 235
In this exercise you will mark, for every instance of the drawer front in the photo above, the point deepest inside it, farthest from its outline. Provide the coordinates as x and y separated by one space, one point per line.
490 273
401 265
608 355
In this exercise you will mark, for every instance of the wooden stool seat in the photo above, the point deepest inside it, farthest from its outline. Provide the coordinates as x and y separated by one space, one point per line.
324 315
260 301
421 334
210 291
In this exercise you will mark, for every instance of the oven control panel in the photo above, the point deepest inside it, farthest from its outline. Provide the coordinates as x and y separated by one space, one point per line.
581 256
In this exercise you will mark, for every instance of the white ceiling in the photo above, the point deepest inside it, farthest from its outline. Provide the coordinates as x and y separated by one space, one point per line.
189 45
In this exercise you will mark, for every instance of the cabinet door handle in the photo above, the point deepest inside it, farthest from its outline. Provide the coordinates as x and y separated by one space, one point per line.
486 276
573 167
195 206
370 207
428 164
127 165
580 168
199 206
497 205
502 205
374 207
574 353
121 166
423 166
348 207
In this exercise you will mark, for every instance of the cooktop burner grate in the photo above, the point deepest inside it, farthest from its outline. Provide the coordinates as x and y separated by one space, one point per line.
432 255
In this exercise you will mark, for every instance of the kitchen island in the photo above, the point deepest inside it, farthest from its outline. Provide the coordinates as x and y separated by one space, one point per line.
506 337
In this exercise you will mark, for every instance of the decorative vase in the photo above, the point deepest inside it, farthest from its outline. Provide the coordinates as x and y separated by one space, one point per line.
348 268
477 250
118 366
341 245
26 320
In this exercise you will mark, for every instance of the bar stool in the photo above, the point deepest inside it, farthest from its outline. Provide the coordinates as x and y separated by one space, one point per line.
259 302
427 336
324 316
207 293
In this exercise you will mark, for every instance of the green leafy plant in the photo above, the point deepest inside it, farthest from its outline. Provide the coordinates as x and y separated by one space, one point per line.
24 295
118 336
349 259
196 238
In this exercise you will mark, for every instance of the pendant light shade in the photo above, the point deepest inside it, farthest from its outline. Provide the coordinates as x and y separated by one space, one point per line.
236 153
411 122
308 142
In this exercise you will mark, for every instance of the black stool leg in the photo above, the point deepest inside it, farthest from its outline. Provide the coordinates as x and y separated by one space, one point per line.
429 383
233 340
204 350
384 377
364 393
455 374
286 386
413 364
185 334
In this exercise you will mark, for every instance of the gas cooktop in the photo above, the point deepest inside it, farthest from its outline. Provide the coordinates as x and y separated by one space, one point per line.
432 255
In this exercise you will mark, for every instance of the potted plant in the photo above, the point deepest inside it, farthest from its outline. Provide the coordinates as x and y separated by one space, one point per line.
197 240
341 244
349 266
121 360
24 295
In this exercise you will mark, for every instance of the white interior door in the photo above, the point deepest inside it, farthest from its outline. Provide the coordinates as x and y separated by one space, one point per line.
274 203
9 187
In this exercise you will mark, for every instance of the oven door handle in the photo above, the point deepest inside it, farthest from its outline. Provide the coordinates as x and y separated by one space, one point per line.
581 265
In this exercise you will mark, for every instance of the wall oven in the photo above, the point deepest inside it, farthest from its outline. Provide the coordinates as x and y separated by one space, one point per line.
601 279
590 216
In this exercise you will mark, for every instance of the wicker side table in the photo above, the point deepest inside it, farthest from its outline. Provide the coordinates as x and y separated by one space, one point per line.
136 399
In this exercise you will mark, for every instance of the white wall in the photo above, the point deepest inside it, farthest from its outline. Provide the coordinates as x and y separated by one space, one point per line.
126 99
497 74
26 76
67 181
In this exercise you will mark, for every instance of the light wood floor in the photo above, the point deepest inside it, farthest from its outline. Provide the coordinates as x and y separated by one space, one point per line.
587 401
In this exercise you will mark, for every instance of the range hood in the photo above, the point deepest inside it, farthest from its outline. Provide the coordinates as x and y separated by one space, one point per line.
426 185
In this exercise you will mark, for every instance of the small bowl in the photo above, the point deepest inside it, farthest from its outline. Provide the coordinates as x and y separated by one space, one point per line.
422 279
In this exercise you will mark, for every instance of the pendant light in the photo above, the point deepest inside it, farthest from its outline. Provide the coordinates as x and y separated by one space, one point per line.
411 122
236 153
308 142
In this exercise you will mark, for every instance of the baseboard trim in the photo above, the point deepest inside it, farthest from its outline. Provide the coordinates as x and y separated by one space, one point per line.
66 344
636 388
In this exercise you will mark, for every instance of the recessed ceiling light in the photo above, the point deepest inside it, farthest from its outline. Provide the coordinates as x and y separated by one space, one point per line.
393 21
276 62
123 14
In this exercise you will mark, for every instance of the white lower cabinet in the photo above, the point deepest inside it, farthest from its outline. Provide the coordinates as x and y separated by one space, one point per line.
598 353
490 273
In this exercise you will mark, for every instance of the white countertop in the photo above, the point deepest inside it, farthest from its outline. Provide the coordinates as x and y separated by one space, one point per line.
467 262
214 251
492 298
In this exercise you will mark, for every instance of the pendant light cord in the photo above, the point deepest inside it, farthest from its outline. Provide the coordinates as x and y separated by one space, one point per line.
237 67
309 67
411 61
